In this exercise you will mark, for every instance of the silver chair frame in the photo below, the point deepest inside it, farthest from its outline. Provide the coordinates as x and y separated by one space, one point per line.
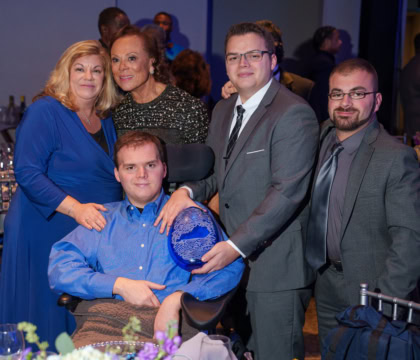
410 305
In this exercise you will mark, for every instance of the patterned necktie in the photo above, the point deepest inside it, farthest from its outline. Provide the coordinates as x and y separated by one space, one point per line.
316 247
234 135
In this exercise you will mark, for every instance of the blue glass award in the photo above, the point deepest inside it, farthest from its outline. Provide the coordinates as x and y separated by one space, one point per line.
193 233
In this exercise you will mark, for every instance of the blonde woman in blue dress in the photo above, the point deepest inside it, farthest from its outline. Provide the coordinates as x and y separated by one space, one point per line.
65 172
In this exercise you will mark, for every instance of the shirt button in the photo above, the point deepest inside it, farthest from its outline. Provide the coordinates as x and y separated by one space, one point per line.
142 245
141 267
144 225
131 208
227 206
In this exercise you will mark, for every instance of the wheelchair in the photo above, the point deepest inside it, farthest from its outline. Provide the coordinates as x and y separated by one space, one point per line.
185 163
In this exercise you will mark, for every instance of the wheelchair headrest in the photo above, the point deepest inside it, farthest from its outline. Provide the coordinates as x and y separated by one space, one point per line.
190 162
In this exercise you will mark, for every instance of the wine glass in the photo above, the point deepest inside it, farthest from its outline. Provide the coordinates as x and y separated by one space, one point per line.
12 342
216 347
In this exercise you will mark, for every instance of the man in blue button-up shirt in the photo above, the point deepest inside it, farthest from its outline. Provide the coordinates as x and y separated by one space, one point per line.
129 259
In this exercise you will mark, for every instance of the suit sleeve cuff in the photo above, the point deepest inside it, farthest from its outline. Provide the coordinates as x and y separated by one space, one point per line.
236 248
190 192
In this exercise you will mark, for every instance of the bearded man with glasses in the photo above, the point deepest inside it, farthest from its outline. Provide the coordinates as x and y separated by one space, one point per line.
265 139
364 224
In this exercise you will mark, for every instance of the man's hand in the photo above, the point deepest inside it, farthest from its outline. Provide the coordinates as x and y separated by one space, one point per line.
137 292
227 90
220 255
169 310
178 201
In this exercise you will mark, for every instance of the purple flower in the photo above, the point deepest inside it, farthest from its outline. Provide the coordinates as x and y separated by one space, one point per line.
160 336
177 340
169 347
149 352
26 352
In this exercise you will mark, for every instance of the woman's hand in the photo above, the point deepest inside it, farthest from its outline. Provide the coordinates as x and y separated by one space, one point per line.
88 215
228 89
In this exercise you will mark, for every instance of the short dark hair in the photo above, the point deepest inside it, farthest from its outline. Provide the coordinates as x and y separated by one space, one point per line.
151 46
137 138
348 66
246 28
321 34
275 32
108 15
164 13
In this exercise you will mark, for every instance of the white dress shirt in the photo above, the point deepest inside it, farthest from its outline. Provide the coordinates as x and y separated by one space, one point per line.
250 106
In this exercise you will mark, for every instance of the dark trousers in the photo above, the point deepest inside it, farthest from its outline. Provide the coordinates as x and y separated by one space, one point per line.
277 320
330 299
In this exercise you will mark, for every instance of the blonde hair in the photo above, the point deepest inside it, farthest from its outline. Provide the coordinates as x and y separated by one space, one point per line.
58 84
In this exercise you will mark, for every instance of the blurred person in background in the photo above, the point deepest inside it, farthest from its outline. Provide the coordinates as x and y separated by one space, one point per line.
164 20
64 168
326 42
152 104
192 73
156 32
110 21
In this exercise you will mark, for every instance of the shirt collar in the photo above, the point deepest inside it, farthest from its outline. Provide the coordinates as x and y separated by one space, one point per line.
152 208
255 99
352 143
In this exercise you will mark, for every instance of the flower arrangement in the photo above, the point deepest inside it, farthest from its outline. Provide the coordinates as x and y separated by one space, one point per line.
168 344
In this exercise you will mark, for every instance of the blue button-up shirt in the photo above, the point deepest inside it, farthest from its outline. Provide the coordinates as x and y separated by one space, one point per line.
86 263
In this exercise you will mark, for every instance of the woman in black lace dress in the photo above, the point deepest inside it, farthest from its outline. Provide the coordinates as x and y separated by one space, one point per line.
151 103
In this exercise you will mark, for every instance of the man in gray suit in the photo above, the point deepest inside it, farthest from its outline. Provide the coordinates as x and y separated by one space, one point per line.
372 225
263 180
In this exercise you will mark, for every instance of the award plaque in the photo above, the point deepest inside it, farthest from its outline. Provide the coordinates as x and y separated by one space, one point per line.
193 233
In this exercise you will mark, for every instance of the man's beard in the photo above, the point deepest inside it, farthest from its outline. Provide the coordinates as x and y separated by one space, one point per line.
352 124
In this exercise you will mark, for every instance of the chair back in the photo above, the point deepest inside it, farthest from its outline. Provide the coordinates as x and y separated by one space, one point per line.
191 162
410 305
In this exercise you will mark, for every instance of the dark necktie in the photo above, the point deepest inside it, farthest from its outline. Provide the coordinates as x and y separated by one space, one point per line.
234 135
316 247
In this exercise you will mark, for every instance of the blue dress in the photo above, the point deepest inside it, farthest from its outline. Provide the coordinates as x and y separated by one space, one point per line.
54 157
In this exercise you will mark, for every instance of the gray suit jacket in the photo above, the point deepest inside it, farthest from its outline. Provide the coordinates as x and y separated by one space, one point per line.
380 234
265 185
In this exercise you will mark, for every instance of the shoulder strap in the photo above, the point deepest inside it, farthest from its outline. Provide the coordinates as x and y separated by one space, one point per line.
340 342
378 345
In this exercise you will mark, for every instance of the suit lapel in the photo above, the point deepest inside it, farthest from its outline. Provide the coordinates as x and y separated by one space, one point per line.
251 124
357 172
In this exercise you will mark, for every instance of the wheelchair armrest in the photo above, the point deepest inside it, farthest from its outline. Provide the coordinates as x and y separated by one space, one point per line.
69 301
204 315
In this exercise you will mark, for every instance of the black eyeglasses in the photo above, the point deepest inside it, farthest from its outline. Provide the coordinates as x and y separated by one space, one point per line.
251 56
354 95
